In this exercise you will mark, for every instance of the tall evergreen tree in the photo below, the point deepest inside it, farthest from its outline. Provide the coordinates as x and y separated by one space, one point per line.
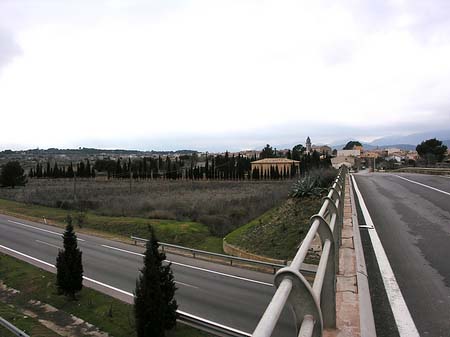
49 170
12 174
267 152
55 173
69 268
154 303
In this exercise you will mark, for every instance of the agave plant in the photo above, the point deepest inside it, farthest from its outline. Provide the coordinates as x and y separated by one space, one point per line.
306 187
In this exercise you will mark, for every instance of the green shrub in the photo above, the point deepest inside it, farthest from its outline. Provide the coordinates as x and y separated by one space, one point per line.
325 177
308 186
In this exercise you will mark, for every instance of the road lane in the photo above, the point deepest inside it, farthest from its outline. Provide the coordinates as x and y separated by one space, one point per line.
439 182
232 301
413 223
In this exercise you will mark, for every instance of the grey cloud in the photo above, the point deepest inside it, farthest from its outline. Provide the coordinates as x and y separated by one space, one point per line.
284 135
8 48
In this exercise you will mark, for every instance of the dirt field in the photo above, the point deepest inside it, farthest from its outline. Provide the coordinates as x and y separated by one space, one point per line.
221 205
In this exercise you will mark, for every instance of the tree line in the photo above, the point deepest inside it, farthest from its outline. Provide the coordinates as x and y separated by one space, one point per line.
213 167
80 170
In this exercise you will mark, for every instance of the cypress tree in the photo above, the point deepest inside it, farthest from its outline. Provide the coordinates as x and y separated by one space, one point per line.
69 268
154 303
70 173
49 170
87 171
38 170
12 174
55 173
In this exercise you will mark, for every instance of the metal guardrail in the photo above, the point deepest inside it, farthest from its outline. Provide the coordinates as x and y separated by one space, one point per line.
12 328
424 170
307 269
314 307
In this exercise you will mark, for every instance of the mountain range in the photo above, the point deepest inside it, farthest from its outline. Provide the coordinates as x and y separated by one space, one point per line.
407 142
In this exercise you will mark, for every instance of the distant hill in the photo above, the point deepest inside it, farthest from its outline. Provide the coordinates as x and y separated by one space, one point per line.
92 152
369 146
412 139
408 142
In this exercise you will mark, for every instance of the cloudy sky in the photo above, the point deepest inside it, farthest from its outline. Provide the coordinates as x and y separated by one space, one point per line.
210 74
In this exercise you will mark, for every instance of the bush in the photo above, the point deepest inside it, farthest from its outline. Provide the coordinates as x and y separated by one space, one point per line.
325 177
307 186
81 219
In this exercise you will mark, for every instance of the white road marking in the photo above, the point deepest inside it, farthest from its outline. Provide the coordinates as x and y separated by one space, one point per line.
186 285
125 292
214 323
423 185
175 263
221 274
402 316
196 268
108 286
39 229
48 244
123 250
365 226
27 256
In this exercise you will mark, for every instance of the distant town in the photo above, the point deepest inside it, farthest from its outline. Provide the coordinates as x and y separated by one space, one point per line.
265 163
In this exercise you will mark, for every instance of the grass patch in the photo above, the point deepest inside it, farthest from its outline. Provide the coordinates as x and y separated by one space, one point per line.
277 232
92 306
25 323
185 233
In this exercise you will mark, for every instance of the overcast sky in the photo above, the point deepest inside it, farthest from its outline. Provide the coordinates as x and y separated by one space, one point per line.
209 74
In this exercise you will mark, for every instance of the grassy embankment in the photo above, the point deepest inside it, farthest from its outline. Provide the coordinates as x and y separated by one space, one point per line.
25 323
106 313
277 232
185 233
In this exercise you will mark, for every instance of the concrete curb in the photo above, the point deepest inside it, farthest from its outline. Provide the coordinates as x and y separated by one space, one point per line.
367 323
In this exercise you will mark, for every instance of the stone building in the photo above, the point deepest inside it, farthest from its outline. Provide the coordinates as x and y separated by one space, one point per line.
308 145
267 166
322 149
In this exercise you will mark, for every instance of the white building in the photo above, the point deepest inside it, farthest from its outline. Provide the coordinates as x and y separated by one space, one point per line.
348 153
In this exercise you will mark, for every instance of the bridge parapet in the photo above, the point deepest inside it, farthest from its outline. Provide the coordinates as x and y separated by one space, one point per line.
331 305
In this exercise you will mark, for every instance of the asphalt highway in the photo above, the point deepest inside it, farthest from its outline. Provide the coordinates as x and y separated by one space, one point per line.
411 214
226 295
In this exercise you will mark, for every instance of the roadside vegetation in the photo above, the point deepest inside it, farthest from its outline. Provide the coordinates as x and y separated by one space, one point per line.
106 313
25 323
221 206
185 233
278 232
